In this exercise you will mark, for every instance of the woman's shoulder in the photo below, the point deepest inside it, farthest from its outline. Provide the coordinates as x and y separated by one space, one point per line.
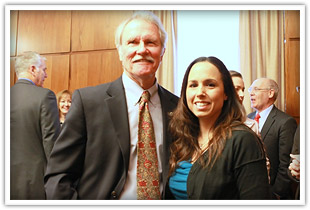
243 136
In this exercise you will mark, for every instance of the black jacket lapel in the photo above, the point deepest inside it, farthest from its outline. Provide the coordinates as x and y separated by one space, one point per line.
269 121
119 115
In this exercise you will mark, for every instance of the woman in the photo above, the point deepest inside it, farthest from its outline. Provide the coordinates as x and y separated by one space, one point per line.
64 103
214 155
239 86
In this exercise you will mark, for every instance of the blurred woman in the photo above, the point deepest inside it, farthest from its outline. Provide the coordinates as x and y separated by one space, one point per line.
64 103
214 155
239 86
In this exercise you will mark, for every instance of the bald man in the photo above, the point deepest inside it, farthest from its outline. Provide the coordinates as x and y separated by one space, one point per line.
277 132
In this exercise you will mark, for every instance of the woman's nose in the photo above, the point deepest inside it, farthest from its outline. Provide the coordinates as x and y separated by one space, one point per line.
201 91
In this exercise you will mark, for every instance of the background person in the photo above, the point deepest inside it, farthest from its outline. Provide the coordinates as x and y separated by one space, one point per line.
64 104
215 156
95 156
277 132
34 127
294 167
239 87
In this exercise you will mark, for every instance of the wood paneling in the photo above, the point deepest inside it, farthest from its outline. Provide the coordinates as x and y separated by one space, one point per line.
44 31
292 63
94 30
292 24
13 32
94 68
293 79
57 72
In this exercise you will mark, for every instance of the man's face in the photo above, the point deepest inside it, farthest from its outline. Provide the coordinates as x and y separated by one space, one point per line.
141 50
260 95
40 74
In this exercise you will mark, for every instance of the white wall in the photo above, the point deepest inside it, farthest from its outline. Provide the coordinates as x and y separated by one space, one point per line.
206 33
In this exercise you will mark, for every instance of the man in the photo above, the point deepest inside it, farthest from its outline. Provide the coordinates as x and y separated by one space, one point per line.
277 132
95 156
34 128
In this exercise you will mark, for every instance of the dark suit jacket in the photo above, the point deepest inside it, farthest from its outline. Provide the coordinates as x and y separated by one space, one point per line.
34 127
277 135
295 151
90 158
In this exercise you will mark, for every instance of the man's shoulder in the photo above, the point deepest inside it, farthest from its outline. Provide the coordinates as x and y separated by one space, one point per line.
168 94
37 91
279 114
105 89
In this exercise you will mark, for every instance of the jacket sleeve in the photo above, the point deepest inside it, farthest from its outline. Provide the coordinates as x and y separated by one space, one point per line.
67 157
49 122
250 168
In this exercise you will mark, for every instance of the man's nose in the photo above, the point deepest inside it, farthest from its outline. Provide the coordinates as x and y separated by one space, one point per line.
141 48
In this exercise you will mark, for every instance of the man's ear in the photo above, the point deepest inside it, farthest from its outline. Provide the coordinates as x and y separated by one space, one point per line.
271 93
120 53
32 70
162 54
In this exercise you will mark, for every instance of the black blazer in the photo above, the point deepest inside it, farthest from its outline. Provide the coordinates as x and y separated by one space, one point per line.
277 135
90 158
34 127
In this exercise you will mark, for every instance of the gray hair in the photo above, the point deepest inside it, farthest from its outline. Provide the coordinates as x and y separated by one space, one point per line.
274 86
142 15
27 59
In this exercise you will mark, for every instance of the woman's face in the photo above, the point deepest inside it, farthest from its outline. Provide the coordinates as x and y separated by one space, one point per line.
64 103
205 93
239 87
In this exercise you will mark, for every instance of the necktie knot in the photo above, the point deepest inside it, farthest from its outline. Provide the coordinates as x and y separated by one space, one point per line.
257 117
145 97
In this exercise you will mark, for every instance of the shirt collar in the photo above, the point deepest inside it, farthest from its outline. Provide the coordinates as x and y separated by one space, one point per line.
134 91
27 80
264 114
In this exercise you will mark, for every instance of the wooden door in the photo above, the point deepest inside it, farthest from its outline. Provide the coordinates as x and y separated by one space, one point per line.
292 63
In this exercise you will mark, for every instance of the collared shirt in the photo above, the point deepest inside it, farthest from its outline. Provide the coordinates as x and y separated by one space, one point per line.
28 80
133 93
263 117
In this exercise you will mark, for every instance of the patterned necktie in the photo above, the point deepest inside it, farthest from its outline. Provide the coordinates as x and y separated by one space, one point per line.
257 118
147 165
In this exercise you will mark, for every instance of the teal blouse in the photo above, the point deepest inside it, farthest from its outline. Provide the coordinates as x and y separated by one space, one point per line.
178 181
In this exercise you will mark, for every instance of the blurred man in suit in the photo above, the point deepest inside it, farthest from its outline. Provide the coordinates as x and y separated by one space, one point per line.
277 132
95 156
34 128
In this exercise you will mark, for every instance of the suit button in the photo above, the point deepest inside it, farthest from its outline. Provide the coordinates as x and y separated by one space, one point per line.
114 195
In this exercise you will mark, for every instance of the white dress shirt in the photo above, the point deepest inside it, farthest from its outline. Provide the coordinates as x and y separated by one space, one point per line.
263 117
133 93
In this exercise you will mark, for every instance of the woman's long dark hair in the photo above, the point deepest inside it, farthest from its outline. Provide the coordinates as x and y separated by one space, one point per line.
184 125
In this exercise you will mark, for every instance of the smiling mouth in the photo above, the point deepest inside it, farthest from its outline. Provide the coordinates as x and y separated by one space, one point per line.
201 104
143 61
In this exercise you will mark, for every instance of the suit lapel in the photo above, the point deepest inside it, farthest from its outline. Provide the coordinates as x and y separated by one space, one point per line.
269 121
168 105
118 110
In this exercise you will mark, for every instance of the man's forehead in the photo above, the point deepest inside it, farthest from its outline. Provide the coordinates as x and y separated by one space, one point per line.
261 82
